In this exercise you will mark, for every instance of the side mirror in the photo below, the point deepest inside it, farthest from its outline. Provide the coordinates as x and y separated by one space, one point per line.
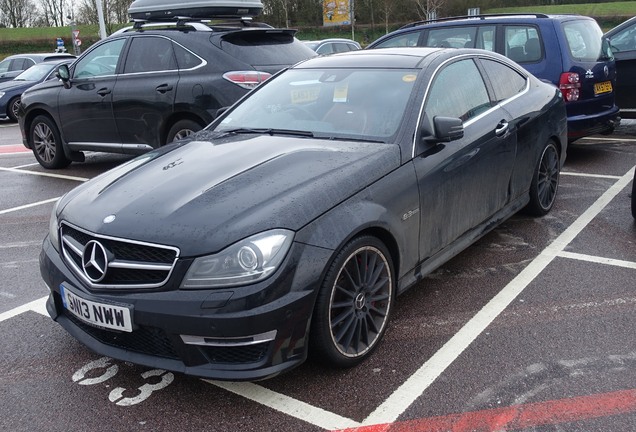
64 74
448 128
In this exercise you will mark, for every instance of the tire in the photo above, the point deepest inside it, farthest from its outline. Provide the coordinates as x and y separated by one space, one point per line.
182 129
12 108
47 143
354 303
545 181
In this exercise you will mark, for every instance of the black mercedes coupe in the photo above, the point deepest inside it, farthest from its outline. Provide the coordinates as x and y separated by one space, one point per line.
289 225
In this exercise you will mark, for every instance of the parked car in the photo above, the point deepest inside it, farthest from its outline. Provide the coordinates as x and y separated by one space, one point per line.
622 40
150 84
333 45
11 91
14 65
293 220
567 50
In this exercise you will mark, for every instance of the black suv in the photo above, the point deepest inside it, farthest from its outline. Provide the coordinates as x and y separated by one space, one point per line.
566 50
150 84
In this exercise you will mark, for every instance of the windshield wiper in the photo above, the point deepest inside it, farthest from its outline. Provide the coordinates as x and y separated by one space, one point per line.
265 131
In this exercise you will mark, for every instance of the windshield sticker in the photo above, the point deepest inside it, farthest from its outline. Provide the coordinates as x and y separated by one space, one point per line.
409 78
340 92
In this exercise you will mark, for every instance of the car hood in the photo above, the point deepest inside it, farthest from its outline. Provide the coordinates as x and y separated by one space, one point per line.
203 196
15 85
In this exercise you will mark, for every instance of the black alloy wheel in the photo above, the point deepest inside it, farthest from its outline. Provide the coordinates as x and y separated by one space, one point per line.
47 144
12 108
545 181
354 303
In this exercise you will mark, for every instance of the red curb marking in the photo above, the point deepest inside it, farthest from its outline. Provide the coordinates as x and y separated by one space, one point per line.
518 416
14 149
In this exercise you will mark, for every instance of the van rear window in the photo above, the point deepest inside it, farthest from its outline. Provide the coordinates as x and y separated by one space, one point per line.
585 41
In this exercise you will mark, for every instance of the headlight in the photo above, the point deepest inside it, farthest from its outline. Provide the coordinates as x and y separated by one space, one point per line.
250 260
54 227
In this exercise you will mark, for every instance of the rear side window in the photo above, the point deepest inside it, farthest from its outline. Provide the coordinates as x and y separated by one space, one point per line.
458 91
462 37
150 54
506 82
403 40
522 43
280 48
585 40
185 58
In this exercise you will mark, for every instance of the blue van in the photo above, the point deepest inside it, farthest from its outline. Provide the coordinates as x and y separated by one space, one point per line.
567 50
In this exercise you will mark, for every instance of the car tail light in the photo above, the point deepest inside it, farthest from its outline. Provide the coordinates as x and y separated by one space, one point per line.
246 79
570 86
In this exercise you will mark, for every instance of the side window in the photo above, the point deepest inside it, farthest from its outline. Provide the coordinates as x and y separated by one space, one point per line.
407 39
100 61
185 59
27 64
486 38
150 54
506 82
4 65
17 65
325 49
625 40
459 91
522 44
454 37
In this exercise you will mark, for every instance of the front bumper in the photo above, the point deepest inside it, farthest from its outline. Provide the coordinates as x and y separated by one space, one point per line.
245 333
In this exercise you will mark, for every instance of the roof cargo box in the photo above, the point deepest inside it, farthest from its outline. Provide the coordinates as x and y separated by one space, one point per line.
201 9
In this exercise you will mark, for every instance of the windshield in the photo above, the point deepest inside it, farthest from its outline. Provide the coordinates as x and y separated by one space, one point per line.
328 103
585 40
36 72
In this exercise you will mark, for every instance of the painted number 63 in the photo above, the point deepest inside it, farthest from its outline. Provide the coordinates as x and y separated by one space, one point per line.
117 394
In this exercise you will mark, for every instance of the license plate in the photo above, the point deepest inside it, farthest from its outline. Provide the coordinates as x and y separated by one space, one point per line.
103 315
604 87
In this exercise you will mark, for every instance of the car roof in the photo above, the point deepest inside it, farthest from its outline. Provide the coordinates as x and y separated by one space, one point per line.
42 56
398 57
509 17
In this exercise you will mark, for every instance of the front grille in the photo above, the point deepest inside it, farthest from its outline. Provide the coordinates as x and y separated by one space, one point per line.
129 264
144 340
236 354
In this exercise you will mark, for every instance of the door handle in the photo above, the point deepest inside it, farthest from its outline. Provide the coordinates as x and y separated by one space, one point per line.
103 91
502 128
164 88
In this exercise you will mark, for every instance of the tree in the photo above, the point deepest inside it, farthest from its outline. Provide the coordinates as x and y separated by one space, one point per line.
53 12
17 13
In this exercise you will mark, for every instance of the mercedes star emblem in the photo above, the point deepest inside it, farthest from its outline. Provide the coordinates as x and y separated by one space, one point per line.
95 261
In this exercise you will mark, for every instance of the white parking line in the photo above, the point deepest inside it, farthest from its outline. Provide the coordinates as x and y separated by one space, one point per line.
607 139
44 174
287 405
38 306
26 206
598 260
602 176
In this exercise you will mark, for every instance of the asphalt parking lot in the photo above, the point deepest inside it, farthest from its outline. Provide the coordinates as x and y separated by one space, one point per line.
531 328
